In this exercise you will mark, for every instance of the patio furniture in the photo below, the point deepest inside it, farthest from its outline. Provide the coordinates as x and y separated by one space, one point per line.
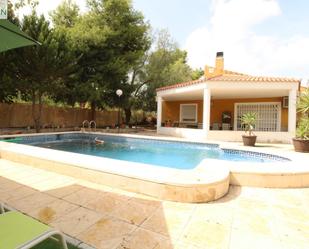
191 125
226 127
1 208
216 126
19 231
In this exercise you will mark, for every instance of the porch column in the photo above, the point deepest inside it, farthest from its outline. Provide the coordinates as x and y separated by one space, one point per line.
292 110
206 109
159 111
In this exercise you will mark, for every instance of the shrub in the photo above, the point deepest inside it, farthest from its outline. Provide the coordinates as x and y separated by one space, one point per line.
249 120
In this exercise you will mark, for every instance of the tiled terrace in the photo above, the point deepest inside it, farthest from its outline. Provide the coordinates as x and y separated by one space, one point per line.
113 219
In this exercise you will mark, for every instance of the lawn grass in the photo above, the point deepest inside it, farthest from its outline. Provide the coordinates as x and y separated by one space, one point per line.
52 244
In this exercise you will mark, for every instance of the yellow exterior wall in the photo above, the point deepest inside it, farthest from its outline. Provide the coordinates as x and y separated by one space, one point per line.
171 109
220 105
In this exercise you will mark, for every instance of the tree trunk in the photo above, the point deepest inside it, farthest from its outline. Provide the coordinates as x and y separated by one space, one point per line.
128 114
36 114
93 111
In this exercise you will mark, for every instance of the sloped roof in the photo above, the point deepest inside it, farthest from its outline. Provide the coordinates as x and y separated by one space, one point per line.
249 78
233 77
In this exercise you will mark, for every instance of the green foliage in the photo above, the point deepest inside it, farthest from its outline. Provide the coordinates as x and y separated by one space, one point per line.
85 57
41 70
303 102
249 120
7 89
165 65
197 73
302 130
66 15
109 40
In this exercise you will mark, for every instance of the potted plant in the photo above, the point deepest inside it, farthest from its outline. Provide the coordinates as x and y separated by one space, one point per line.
249 120
301 141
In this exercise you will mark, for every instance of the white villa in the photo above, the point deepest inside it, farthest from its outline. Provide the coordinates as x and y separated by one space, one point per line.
211 107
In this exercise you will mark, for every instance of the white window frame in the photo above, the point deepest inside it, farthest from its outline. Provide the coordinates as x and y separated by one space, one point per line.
259 103
180 113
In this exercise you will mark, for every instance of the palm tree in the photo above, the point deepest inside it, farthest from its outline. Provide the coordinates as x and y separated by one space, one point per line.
249 120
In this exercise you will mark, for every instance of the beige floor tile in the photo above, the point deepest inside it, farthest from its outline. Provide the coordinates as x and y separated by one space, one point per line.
145 239
292 231
169 220
178 206
20 193
107 203
33 179
295 214
147 200
247 240
214 213
8 185
76 221
31 202
254 221
83 196
135 211
52 183
206 234
178 245
94 186
63 191
247 217
107 233
53 211
145 197
4 195
122 192
295 244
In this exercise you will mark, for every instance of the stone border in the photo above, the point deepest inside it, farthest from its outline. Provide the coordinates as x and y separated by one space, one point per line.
197 185
201 184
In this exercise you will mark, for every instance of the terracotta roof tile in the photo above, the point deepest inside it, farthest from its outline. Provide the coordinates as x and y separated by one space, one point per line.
231 76
248 78
182 84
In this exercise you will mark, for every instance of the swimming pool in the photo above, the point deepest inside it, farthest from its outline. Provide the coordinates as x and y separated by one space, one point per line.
179 155
119 164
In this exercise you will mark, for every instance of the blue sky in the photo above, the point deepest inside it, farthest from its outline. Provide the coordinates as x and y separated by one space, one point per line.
181 17
259 37
262 37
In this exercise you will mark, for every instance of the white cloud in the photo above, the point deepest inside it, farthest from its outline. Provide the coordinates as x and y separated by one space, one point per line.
230 30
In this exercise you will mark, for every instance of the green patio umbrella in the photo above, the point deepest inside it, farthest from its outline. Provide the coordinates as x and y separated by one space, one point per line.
12 37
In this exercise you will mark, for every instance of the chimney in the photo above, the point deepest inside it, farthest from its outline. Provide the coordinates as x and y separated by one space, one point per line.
219 70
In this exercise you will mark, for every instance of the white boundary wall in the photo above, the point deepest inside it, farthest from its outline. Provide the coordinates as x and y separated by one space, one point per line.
196 134
226 136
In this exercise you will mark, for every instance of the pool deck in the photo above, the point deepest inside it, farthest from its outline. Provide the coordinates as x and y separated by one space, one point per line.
207 182
109 218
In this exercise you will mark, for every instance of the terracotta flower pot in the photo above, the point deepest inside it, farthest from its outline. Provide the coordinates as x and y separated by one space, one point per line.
249 140
301 145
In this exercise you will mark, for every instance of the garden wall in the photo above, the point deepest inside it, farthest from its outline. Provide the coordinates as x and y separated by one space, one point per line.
20 115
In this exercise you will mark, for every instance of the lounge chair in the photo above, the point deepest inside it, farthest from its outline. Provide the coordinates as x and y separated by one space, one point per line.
1 208
19 231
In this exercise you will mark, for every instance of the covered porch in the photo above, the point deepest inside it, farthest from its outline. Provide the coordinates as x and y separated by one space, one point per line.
212 110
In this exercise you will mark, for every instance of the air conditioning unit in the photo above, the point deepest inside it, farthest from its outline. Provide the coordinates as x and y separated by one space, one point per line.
285 102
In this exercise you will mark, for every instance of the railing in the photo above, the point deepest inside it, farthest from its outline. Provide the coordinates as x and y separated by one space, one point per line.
95 125
83 125
83 129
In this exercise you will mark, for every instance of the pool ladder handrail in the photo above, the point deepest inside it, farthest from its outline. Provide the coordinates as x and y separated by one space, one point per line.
95 125
83 125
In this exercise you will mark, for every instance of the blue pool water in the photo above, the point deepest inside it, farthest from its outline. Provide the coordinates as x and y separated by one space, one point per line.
156 152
